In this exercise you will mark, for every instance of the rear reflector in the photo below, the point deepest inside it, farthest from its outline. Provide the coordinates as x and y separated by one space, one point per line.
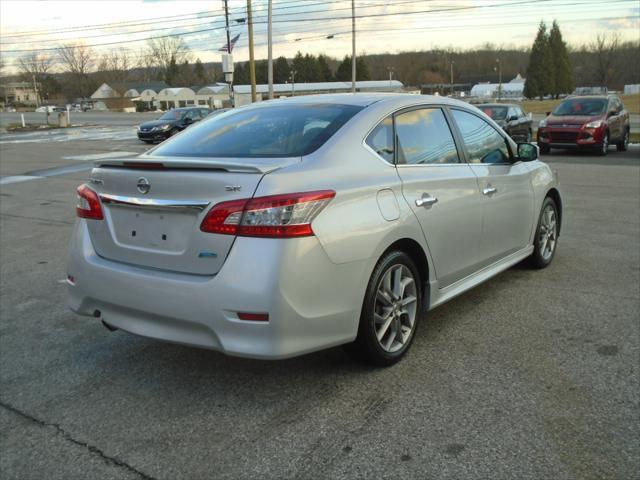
88 204
254 317
275 216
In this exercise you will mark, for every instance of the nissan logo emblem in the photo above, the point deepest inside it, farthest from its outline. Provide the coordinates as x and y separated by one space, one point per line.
143 185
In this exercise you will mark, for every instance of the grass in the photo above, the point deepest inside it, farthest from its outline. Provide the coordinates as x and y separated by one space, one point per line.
631 102
17 127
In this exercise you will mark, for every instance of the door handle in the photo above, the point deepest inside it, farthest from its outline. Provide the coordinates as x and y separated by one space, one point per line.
489 190
426 200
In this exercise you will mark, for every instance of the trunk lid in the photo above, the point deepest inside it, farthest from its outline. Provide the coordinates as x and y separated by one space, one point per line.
153 208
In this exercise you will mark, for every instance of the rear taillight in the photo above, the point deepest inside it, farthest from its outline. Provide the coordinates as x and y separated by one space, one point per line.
275 216
88 204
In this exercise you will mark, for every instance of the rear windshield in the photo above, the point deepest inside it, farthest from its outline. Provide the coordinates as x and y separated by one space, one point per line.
581 106
277 130
496 113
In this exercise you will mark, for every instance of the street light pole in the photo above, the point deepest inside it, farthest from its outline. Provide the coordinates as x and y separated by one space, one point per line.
499 79
252 63
451 66
270 49
292 77
390 70
353 46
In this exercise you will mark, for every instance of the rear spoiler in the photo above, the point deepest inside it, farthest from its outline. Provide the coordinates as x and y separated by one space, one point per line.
235 165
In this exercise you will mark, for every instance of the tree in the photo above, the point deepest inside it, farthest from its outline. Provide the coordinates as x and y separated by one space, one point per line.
171 72
114 67
324 71
540 72
199 74
160 52
34 67
306 67
280 70
604 48
343 73
561 65
77 60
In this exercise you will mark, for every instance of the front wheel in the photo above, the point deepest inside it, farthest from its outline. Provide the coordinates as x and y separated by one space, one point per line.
546 239
544 149
390 311
624 144
604 146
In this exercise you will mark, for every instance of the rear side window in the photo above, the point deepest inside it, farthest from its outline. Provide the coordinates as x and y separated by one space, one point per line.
276 130
484 144
423 137
381 139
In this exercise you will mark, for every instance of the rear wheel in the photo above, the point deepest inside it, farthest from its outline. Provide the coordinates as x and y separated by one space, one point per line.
390 311
546 239
604 146
623 145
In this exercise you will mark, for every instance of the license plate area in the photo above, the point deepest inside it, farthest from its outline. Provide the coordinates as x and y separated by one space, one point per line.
156 229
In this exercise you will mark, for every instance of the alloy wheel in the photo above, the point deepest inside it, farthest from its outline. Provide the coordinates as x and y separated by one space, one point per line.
548 233
395 308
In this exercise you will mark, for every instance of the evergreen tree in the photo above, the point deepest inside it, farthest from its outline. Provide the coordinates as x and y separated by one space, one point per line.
172 72
199 74
306 67
540 72
343 73
324 71
241 74
562 66
280 70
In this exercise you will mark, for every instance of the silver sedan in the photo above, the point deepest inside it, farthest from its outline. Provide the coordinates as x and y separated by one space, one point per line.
295 225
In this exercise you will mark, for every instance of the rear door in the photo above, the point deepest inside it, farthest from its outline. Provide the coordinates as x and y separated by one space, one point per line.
505 188
441 189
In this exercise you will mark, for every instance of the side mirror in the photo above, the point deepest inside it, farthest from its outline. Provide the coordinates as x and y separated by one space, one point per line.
188 120
512 118
611 113
527 152
547 113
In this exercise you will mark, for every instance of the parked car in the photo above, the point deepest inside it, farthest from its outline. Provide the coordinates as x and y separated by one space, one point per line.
45 108
511 119
282 228
170 123
588 122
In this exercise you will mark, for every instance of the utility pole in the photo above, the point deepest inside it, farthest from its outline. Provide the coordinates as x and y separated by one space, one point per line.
451 65
228 62
353 46
270 49
35 88
390 70
252 63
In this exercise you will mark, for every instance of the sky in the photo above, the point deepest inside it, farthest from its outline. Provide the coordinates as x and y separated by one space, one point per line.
382 26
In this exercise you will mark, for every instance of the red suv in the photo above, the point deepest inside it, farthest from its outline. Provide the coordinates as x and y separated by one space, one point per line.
592 122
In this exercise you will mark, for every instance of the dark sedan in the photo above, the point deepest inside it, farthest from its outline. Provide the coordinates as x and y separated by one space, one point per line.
511 118
170 123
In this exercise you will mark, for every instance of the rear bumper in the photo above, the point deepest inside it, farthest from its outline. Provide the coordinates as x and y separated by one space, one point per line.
312 303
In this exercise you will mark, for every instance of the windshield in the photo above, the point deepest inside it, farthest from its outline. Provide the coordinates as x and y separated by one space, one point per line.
171 115
277 130
496 113
581 106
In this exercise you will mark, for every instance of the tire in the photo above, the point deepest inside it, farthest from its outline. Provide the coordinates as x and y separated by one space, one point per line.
529 137
544 149
388 321
603 148
148 141
623 145
547 228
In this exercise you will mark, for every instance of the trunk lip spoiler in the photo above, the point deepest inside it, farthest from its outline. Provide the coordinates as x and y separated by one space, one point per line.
126 201
247 165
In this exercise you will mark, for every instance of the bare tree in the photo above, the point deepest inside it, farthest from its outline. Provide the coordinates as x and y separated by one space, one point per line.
115 66
605 48
77 60
34 66
160 51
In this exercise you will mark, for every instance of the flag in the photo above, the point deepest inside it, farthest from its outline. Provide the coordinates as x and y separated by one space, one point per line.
232 44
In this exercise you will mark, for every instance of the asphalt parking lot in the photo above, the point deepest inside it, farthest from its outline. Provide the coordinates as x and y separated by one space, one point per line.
533 375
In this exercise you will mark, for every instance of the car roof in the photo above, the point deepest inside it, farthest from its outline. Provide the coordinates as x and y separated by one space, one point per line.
497 105
362 99
604 96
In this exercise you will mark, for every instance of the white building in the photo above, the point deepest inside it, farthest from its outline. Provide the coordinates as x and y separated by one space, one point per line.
512 89
242 93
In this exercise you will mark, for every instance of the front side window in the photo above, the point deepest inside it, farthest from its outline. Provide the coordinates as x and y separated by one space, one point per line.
484 144
423 137
381 139
274 130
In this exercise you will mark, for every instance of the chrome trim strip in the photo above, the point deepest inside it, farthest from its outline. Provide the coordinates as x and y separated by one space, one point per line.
125 201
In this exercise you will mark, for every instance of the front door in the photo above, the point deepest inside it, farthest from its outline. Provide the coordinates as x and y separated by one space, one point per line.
505 187
442 191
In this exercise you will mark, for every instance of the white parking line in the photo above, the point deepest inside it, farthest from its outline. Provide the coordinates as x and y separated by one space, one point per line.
101 156
17 179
